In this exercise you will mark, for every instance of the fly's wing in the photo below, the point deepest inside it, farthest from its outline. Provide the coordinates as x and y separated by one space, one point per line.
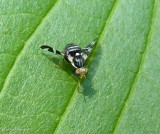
50 49
87 50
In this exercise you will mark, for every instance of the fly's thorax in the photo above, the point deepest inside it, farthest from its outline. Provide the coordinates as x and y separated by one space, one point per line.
72 50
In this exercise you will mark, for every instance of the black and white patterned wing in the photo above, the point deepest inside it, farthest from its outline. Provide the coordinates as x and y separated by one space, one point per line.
50 49
87 50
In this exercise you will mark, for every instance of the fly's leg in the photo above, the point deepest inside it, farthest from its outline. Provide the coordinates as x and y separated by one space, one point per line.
80 89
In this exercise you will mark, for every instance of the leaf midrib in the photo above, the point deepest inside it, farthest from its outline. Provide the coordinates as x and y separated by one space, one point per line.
29 37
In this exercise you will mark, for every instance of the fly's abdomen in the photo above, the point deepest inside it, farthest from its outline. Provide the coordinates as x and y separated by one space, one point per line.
78 61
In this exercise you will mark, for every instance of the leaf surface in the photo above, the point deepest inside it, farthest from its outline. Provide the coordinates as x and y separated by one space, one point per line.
121 91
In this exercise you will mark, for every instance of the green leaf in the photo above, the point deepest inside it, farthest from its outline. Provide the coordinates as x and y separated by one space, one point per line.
121 91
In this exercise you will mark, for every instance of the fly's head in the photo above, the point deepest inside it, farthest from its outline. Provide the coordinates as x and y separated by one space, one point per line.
82 72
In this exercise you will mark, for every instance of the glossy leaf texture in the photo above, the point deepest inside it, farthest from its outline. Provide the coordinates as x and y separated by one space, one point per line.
121 92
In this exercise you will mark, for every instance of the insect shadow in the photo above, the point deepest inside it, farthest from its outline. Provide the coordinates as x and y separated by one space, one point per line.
87 84
59 62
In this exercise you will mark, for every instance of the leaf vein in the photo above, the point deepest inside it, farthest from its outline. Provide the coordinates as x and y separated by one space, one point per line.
18 55
143 57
